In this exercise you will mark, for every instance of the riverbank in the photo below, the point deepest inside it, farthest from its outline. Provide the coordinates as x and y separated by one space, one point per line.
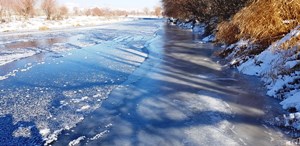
258 37
276 67
40 23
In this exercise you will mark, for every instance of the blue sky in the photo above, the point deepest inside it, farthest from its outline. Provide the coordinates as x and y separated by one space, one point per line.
117 4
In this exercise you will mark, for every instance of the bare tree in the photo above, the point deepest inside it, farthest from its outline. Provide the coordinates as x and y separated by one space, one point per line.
157 11
3 8
49 7
63 11
76 11
96 12
146 11
87 12
25 7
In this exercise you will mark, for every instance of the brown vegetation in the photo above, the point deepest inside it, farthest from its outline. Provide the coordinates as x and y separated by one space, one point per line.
96 12
105 12
24 7
227 32
43 28
203 10
49 7
263 21
76 11
146 11
87 12
63 10
6 8
157 11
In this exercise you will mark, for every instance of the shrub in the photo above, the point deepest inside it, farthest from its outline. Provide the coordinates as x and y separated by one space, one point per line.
24 7
49 7
96 12
263 21
63 10
60 13
202 10
5 10
157 11
228 33
176 9
43 28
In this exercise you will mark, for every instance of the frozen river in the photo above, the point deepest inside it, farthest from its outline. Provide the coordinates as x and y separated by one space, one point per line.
131 83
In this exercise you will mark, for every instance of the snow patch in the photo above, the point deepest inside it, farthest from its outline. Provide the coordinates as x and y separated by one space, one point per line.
292 101
83 108
100 135
76 141
45 132
22 132
210 38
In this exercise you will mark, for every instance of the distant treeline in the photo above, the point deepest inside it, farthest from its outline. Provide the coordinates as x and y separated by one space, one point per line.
28 8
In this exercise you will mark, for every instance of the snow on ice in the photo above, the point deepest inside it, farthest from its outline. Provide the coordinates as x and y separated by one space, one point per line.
50 102
34 24
77 141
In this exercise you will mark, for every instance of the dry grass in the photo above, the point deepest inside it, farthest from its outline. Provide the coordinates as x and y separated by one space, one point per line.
228 33
263 20
77 25
44 28
293 42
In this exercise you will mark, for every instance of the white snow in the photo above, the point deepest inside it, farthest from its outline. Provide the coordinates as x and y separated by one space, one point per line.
278 84
261 64
85 107
45 132
272 63
22 132
37 23
278 69
15 55
52 137
210 38
292 101
85 98
100 135
77 141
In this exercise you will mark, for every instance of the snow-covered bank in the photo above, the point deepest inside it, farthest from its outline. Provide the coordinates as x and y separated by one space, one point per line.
278 67
41 24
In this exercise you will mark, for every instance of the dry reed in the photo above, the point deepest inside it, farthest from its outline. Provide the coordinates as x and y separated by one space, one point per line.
264 21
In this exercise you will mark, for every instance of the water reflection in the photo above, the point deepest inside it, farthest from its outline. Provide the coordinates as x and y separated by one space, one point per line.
40 43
